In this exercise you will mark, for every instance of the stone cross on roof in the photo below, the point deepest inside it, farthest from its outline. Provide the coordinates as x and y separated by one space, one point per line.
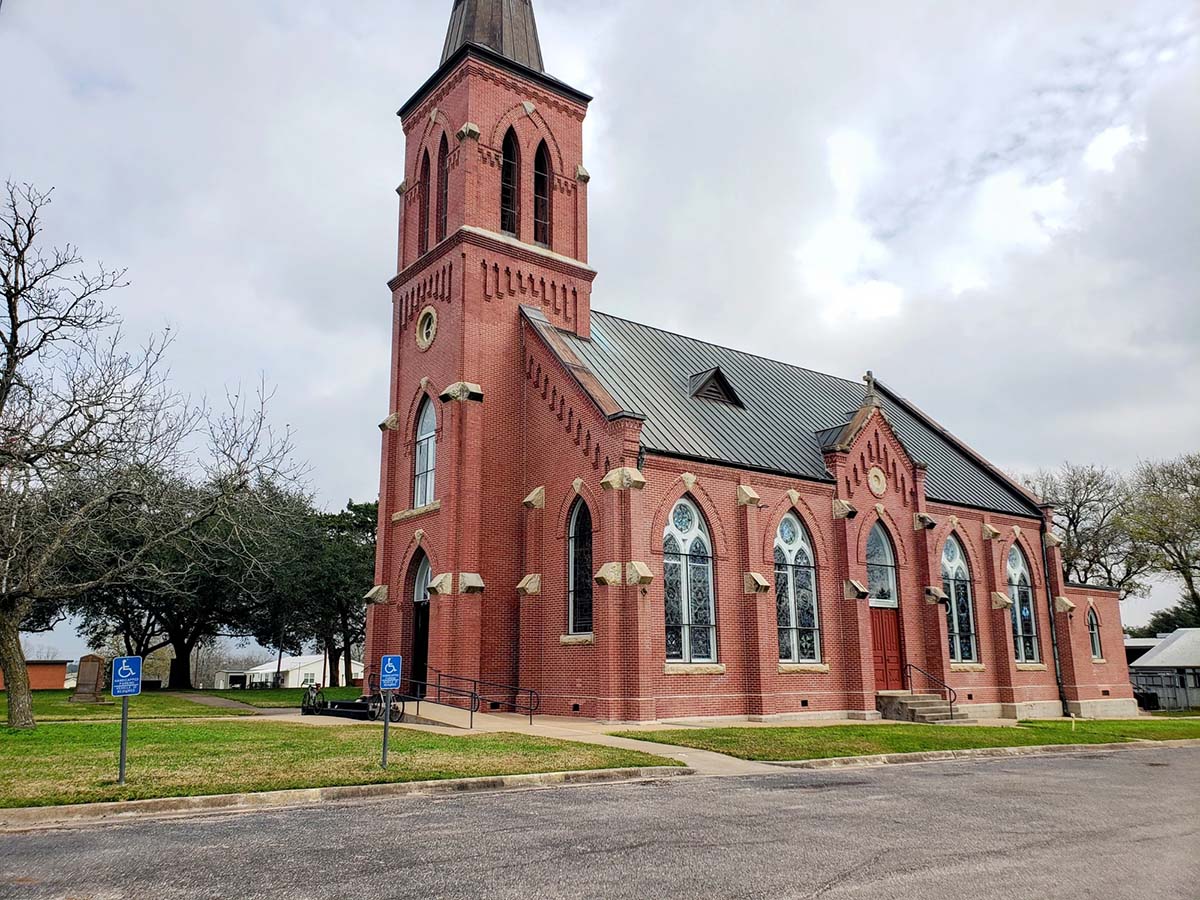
872 397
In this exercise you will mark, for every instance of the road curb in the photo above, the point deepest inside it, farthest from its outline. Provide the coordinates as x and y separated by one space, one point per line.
35 817
896 759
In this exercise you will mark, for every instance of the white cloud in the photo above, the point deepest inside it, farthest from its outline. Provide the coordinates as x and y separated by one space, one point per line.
1101 154
1006 190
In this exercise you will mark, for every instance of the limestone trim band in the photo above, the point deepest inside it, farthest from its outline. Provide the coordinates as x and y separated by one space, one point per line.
694 669
406 514
803 669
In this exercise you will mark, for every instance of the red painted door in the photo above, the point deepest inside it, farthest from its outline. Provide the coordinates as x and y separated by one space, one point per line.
885 634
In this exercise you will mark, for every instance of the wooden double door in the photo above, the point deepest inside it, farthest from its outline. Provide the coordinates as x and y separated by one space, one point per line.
885 639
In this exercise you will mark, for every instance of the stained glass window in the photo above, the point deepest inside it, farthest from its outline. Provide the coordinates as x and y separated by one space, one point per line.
1024 619
425 463
796 593
1094 634
960 608
690 607
881 568
579 570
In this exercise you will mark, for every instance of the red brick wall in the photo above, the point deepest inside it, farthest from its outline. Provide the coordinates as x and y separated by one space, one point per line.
43 675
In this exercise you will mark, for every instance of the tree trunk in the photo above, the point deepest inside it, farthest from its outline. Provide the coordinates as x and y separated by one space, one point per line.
180 678
334 654
16 676
348 659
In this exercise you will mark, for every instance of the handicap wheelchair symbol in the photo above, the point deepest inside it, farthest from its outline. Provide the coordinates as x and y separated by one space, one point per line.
390 667
125 671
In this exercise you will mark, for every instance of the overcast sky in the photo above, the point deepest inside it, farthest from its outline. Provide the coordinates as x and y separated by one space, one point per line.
994 205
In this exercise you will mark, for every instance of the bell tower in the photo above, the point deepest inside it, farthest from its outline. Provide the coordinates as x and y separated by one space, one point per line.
493 217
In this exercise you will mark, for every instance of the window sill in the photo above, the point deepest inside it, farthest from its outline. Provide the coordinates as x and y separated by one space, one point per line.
1099 661
405 514
1031 667
803 669
577 640
694 669
969 667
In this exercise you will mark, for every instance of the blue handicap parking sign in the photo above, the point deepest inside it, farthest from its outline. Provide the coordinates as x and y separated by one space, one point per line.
389 673
127 676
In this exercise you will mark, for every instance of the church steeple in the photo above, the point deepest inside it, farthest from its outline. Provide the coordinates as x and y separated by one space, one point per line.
505 26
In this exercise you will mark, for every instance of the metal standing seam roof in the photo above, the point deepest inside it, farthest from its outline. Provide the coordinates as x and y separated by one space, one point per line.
789 412
1178 650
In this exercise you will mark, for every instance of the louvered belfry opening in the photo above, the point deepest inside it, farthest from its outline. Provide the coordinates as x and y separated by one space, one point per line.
510 185
505 26
541 196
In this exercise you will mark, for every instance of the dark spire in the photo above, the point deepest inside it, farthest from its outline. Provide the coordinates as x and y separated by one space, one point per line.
506 26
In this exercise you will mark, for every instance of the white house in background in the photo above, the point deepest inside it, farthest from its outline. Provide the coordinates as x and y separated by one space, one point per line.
295 671
1171 669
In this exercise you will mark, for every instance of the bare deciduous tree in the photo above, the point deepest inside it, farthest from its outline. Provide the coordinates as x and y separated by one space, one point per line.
1091 505
86 429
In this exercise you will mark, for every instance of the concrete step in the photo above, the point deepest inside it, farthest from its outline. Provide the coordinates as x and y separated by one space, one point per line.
940 716
965 720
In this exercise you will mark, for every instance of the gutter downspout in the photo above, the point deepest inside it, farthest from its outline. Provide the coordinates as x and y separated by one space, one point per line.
1062 693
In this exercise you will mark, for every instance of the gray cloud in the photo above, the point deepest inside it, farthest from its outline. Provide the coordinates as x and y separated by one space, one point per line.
844 185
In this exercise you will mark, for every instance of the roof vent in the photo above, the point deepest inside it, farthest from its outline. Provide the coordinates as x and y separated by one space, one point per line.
711 384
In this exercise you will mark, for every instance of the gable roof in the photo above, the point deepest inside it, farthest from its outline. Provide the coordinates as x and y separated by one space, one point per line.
788 415
1178 650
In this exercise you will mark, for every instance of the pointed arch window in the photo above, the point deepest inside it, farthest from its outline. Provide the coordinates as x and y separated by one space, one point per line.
1094 634
796 593
421 581
579 570
423 217
960 607
510 185
1024 620
542 195
425 455
688 586
881 568
443 188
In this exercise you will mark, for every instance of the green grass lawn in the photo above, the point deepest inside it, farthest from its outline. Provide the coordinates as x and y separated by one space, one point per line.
1177 713
53 706
77 762
281 698
793 743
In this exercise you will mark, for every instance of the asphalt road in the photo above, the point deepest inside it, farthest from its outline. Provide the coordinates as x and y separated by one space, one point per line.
1092 825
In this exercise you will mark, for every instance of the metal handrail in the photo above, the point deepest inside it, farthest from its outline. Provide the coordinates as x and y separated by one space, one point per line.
529 706
951 694
416 696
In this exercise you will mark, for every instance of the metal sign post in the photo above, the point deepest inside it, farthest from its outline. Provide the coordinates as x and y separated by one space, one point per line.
126 683
389 680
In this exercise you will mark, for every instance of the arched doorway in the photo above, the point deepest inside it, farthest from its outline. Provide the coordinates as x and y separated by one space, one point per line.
418 667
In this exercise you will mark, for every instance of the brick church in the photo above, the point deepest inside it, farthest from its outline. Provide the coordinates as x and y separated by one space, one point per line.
640 525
